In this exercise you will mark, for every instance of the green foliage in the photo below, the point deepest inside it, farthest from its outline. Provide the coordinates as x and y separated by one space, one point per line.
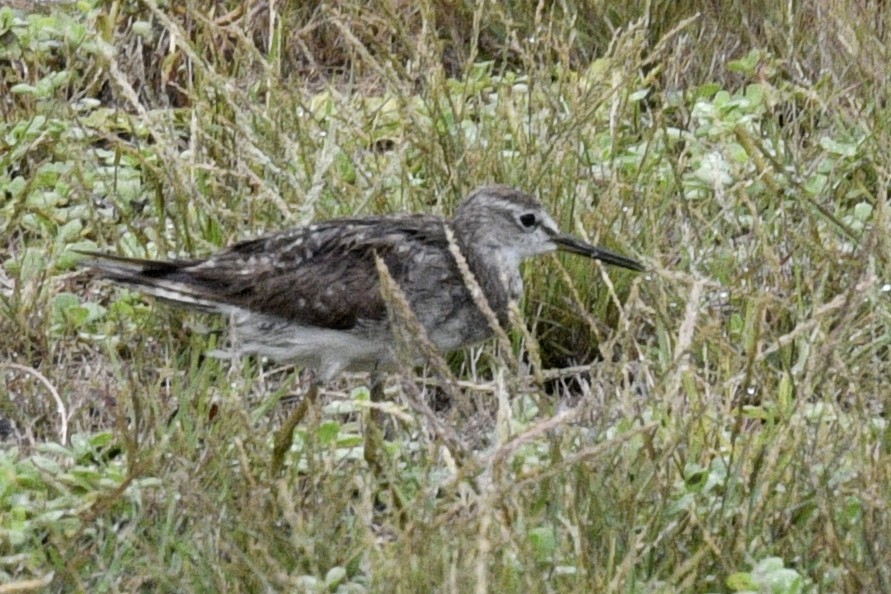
43 497
769 576
732 436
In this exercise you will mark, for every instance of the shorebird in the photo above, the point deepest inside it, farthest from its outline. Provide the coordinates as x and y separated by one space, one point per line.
312 294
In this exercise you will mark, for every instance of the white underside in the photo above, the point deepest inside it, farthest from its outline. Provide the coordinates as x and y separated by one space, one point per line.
328 352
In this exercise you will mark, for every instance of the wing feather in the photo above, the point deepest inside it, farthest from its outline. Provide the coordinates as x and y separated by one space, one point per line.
320 275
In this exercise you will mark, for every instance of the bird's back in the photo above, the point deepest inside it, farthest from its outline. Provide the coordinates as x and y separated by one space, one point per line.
320 278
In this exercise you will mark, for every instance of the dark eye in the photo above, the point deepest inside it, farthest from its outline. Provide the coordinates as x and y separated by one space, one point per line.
528 220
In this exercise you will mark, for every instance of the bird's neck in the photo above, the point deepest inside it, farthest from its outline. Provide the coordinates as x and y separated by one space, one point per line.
496 272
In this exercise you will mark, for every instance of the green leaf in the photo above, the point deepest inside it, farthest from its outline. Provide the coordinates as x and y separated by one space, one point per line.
845 149
544 542
69 231
816 184
23 89
741 582
68 257
141 28
863 211
638 95
334 577
328 431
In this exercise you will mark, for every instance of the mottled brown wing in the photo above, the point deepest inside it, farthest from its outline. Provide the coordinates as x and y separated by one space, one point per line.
322 275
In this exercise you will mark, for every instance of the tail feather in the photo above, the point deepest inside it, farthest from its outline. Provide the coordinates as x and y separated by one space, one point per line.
168 280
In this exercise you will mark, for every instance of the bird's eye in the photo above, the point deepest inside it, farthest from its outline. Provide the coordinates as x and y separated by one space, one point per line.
528 220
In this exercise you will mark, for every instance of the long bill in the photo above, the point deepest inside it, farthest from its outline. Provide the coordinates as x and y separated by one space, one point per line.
568 243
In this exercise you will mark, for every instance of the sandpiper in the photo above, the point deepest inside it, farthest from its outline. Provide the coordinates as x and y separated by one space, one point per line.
312 294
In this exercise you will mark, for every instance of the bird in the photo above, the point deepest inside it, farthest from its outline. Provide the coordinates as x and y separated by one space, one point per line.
312 295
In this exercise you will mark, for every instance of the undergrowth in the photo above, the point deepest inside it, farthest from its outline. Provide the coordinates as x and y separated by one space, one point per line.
716 424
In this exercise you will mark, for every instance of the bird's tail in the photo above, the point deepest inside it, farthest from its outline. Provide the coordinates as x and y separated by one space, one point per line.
169 280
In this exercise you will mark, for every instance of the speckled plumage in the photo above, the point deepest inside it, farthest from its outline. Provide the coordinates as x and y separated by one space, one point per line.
312 294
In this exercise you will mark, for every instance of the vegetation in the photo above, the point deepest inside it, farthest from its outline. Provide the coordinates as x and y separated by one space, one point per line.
731 434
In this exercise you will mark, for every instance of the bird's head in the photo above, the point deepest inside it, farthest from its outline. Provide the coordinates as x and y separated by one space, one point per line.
515 225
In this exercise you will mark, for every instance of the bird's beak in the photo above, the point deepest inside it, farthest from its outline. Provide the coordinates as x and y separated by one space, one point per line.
568 243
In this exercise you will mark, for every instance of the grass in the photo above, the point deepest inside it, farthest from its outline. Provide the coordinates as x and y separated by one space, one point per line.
730 436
